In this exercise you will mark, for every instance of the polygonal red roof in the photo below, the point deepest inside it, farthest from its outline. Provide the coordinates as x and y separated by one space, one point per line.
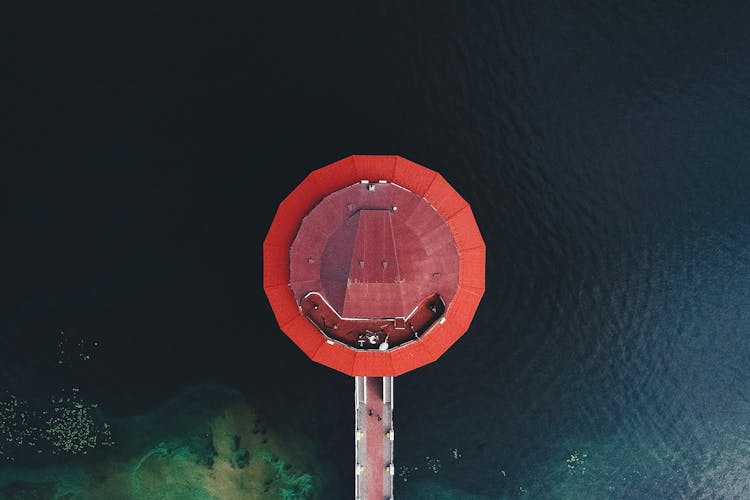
374 238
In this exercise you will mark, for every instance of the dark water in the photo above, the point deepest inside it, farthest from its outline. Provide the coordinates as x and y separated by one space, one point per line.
603 149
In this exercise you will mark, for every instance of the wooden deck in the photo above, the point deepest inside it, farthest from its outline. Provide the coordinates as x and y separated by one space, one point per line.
373 416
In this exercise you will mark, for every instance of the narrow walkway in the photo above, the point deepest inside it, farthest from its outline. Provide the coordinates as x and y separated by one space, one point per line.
374 438
374 432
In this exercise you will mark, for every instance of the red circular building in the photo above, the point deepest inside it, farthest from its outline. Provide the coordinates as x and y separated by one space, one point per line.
374 265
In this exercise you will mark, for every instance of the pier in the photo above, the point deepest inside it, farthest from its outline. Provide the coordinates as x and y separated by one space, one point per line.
374 266
374 437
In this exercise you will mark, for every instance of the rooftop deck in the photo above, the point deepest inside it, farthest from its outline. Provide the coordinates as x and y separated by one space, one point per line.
368 333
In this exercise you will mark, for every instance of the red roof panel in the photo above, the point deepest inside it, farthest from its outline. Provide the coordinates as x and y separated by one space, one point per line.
444 198
283 304
412 176
304 334
334 176
374 167
372 363
471 270
276 267
405 358
337 356
465 230
281 233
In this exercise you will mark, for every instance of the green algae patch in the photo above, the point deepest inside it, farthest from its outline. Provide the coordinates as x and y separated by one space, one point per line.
207 443
168 472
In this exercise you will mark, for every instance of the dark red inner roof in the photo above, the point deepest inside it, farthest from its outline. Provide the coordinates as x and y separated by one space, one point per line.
374 250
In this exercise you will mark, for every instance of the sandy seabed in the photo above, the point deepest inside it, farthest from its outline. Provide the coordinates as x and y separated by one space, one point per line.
206 443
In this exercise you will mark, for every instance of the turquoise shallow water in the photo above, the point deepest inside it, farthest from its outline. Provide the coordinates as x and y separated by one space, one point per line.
603 151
